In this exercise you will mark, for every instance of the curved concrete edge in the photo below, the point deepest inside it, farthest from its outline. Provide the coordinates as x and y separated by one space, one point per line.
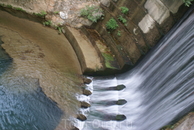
86 52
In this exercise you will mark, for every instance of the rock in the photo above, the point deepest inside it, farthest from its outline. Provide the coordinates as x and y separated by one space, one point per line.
85 105
105 2
75 128
120 117
81 117
121 102
87 81
87 92
120 87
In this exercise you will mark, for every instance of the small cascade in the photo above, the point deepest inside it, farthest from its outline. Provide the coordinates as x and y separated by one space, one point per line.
157 91
109 103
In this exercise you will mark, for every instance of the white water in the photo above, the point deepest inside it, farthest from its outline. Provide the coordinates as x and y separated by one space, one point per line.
158 90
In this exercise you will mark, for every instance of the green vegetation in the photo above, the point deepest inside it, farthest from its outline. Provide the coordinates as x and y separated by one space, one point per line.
188 2
19 9
124 10
9 6
56 12
112 24
41 14
59 29
167 127
108 59
123 20
92 13
47 23
119 33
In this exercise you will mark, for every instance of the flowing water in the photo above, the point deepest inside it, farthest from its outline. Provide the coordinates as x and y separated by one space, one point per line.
158 90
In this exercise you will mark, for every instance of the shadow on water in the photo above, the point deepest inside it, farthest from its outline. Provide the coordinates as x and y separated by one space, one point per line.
23 104
24 110
5 59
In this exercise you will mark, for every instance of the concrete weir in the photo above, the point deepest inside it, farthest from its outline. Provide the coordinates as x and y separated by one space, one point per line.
101 51
84 47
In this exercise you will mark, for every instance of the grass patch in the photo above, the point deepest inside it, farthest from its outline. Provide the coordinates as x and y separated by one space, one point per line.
123 20
119 33
19 9
111 24
9 6
47 23
124 10
108 59
42 14
188 2
92 13
59 29
56 12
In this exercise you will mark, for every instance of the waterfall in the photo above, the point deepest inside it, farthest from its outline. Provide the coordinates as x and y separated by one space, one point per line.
158 90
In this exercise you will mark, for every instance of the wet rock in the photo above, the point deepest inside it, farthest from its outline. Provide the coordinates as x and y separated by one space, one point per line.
120 117
85 105
87 92
105 2
87 81
75 128
120 87
121 102
81 117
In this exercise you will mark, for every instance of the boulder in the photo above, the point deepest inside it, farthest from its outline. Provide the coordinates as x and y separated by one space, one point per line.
81 117
121 102
87 81
87 92
105 2
85 105
120 117
120 87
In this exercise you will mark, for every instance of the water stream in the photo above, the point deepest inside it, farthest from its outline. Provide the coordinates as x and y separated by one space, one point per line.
158 90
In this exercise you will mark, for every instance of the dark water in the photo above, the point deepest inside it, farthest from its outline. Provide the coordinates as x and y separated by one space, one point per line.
158 90
5 60
23 105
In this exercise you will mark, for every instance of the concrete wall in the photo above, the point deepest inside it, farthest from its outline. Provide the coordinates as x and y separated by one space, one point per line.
147 22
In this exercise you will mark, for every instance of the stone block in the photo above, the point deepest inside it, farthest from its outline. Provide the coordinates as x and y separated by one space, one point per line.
157 10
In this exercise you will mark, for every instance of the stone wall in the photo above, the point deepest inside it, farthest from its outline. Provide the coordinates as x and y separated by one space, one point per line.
101 51
147 22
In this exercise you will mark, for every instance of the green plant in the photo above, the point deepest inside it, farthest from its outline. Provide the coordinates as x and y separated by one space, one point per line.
9 6
111 24
123 20
56 12
188 2
124 10
19 9
59 29
167 127
47 23
108 59
92 13
119 33
41 14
